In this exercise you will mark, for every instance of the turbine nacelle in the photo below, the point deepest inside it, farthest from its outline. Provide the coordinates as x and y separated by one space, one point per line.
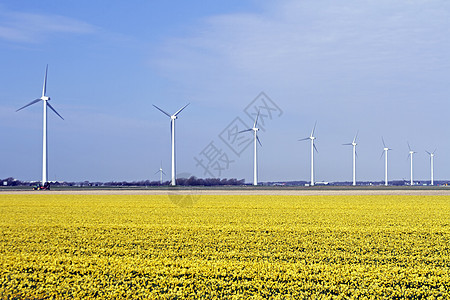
411 151
353 143
45 98
431 153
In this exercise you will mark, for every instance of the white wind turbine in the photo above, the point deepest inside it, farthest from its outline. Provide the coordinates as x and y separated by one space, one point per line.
172 127
45 100
313 148
161 174
354 156
411 152
385 152
432 165
255 158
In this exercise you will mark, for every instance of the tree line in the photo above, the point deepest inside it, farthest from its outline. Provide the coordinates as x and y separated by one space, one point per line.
191 181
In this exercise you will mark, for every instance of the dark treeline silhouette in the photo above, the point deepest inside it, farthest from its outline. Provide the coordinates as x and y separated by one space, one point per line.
191 181
11 182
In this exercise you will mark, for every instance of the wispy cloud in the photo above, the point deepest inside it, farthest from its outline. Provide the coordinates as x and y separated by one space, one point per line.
35 28
313 36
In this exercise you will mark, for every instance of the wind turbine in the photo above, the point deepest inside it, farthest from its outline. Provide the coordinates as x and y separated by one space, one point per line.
256 139
313 147
45 100
411 152
385 152
172 127
354 156
161 174
432 165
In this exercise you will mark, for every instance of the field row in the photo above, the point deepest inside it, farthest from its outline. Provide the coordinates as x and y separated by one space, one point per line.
224 246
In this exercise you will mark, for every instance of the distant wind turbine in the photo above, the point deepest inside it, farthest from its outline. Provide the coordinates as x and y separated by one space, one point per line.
432 165
45 100
354 156
411 152
172 127
385 152
161 174
313 147
256 139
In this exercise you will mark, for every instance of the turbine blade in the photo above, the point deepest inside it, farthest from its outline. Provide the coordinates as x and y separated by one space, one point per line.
161 110
384 144
256 120
245 130
434 150
257 138
409 147
427 152
356 152
44 87
163 173
314 129
349 144
175 114
156 172
31 103
315 148
356 136
382 153
304 139
54 110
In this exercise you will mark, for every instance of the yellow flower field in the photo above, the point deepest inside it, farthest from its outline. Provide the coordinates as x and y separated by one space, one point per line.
233 247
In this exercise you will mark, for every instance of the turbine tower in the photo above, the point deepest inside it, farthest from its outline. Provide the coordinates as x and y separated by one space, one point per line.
313 147
385 152
172 128
411 152
256 139
354 157
161 174
432 165
45 100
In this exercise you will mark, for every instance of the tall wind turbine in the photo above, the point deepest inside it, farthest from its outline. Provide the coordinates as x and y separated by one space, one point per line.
172 127
432 165
385 152
411 152
313 147
161 174
354 156
45 100
256 139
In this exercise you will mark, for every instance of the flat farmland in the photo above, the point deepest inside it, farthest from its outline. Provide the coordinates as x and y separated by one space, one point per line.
177 246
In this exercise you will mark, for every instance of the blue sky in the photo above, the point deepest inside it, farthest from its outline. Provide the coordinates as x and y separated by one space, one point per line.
380 67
